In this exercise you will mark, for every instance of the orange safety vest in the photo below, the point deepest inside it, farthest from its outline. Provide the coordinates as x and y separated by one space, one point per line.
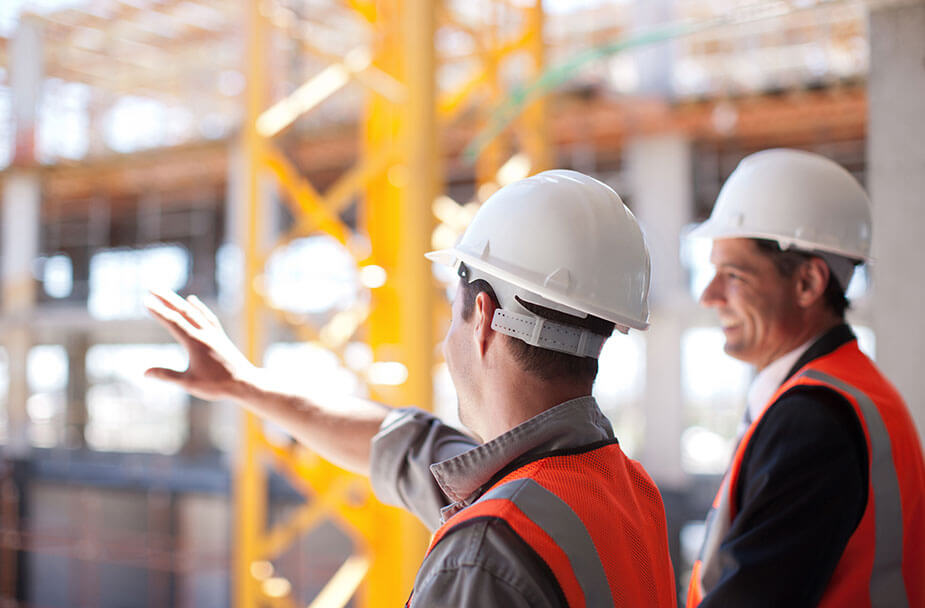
595 518
884 561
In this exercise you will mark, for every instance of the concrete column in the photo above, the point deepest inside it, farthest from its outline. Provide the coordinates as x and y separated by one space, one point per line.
229 296
80 272
236 220
199 418
100 102
22 201
659 174
26 78
76 413
21 204
896 179
654 62
202 247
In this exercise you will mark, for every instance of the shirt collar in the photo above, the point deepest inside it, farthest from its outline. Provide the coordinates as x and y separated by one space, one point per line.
769 380
571 424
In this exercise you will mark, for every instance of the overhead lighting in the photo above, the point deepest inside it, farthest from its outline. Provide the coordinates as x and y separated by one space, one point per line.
516 168
372 276
387 373
277 587
261 570
329 81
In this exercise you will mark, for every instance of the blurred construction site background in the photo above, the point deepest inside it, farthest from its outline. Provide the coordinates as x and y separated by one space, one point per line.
290 161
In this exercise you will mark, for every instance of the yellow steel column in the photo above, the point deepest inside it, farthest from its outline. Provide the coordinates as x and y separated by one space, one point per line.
398 218
387 583
249 479
419 140
535 131
382 196
492 157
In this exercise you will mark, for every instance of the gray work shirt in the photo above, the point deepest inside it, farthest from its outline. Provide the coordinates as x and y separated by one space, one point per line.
434 470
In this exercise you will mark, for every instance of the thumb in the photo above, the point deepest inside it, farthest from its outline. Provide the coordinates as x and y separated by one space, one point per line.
162 373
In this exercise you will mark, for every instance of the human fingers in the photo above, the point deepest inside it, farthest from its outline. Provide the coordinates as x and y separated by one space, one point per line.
178 326
179 305
162 373
204 310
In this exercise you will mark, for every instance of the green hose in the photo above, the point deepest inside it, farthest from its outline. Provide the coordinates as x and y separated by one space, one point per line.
551 78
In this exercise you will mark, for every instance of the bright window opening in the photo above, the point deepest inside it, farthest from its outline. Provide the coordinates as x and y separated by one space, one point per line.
120 279
309 369
58 276
46 374
312 275
713 387
128 412
620 387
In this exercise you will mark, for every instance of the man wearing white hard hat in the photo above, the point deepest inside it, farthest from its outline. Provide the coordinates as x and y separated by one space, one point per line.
540 508
822 504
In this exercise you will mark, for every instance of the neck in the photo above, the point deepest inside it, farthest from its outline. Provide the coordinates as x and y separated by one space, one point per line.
510 400
805 332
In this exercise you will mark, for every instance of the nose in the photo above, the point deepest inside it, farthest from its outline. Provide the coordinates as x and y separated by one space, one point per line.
712 293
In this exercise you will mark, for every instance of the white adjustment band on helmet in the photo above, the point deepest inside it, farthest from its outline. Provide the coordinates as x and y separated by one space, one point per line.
548 334
840 266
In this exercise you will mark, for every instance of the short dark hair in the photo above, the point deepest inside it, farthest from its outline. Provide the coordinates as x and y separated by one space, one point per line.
786 261
541 362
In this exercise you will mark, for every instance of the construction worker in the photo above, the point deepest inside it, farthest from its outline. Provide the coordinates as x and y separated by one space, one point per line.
541 508
822 504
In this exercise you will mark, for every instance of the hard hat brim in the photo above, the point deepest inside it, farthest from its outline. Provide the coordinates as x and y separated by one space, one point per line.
704 230
710 229
444 257
449 257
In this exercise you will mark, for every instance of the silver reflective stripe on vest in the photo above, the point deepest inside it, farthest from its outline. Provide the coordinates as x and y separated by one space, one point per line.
566 529
887 587
715 529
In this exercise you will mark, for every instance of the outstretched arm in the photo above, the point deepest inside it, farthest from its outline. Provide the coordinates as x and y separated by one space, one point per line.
339 429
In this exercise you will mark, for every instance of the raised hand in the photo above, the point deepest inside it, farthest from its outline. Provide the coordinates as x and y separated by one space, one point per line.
217 369
340 428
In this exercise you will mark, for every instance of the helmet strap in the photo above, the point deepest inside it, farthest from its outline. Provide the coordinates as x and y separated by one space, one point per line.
840 266
538 325
547 334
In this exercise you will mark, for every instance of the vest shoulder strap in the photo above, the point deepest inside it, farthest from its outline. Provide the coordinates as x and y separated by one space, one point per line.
552 528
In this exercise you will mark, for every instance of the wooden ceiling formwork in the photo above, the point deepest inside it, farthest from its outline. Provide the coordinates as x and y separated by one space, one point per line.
189 53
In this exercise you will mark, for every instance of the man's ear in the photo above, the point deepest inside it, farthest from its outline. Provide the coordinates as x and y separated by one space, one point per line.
812 279
483 313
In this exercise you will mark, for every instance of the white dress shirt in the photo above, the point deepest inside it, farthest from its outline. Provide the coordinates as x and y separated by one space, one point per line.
766 383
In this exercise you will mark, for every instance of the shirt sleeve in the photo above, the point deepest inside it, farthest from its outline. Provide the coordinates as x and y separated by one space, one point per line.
802 492
485 565
408 442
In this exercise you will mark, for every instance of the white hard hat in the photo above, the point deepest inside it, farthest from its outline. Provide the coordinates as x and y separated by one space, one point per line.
562 240
799 199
